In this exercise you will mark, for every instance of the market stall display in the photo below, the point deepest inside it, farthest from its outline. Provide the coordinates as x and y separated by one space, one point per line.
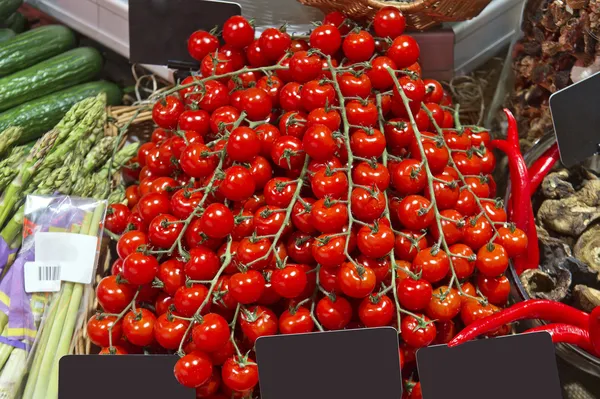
295 191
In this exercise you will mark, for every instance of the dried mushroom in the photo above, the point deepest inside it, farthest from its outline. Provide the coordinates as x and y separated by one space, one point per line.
553 252
581 273
572 215
556 185
586 298
542 285
587 248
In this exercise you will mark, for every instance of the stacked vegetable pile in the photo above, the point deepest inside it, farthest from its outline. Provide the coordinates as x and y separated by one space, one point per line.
298 185
74 158
42 75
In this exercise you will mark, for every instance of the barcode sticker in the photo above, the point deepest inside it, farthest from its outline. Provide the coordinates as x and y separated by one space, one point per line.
41 277
48 273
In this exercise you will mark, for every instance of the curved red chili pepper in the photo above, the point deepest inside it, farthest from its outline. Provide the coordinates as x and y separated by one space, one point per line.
539 170
542 166
520 193
595 328
567 334
555 312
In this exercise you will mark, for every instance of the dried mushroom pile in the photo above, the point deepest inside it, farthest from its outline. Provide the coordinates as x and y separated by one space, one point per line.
559 47
569 233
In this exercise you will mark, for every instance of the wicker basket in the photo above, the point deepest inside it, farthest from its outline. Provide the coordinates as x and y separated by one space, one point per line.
420 14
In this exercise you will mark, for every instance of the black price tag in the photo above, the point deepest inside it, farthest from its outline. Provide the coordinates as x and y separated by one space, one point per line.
576 119
126 377
349 364
517 367
159 29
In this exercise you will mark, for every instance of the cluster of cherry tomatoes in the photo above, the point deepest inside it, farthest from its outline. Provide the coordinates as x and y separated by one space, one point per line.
300 184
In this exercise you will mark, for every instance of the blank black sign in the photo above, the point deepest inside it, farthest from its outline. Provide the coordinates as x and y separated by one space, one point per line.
159 29
576 120
517 367
120 377
348 364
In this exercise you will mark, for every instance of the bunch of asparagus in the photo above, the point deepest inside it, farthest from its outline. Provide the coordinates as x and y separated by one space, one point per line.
75 158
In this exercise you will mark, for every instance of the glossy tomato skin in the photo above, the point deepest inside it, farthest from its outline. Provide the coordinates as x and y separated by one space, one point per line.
358 46
113 295
417 335
201 43
356 282
274 43
98 330
194 369
239 376
238 32
258 321
187 300
389 22
296 321
334 314
212 333
138 327
376 311
116 218
140 269
414 294
169 333
247 287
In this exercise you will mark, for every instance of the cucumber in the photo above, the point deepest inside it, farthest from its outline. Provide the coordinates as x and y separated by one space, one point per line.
8 8
59 72
16 22
34 46
6 34
39 116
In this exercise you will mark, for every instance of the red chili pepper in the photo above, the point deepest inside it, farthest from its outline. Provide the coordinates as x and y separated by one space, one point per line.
520 193
595 328
540 169
555 312
567 334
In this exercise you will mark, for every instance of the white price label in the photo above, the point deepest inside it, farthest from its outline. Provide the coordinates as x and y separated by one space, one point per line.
74 253
41 277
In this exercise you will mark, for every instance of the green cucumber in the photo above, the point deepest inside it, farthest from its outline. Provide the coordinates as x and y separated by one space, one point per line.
6 34
39 116
8 8
16 22
65 70
34 46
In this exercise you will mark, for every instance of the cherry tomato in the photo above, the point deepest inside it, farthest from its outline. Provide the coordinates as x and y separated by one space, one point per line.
326 38
404 51
361 113
358 46
415 212
367 205
217 221
444 305
287 153
138 327
247 287
389 22
356 281
164 230
101 328
492 260
369 175
367 143
256 103
211 333
254 252
328 250
273 43
433 264
334 314
464 265
289 282
477 232
243 144
332 184
258 321
318 142
238 32
296 321
376 311
116 218
194 369
237 184
416 333
305 66
169 331
171 274
414 294
140 269
329 216
376 241
203 264
202 43
473 310
409 177
114 295
452 227
408 244
513 240
238 374
187 300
